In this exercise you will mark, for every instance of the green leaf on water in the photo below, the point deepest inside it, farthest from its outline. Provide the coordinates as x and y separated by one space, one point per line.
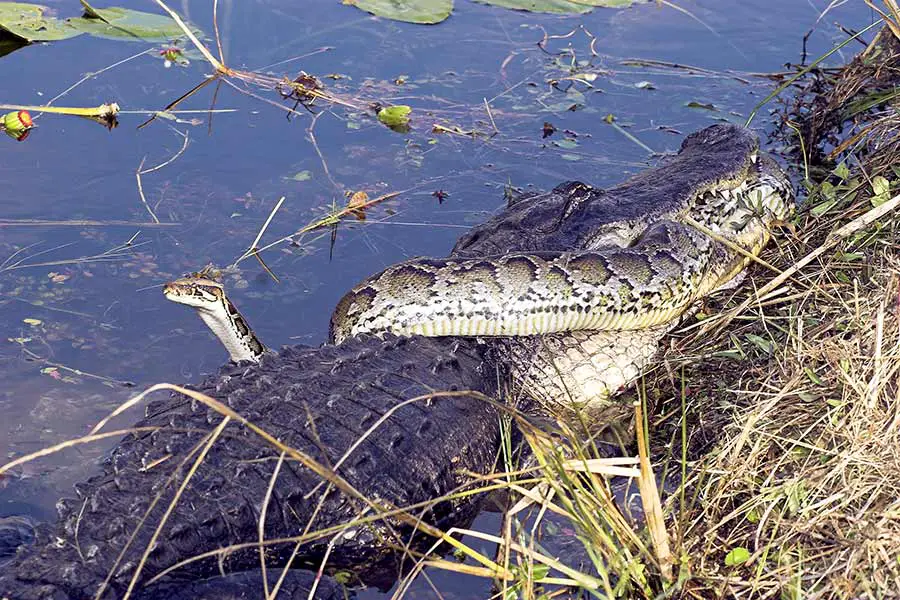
29 22
426 12
126 24
302 176
395 116
609 3
737 556
702 105
543 6
559 6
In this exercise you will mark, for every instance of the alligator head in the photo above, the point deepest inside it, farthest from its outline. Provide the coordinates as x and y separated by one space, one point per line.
719 178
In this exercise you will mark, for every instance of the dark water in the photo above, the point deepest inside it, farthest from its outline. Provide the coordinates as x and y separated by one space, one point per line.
102 318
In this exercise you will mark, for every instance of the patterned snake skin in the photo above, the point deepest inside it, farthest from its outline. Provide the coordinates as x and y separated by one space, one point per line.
633 277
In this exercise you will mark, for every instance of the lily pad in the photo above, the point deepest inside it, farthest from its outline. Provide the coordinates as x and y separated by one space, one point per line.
126 24
426 12
29 22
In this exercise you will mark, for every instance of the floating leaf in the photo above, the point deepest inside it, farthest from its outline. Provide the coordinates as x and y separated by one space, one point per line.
609 3
395 117
426 12
560 6
704 106
544 6
32 322
435 11
357 205
737 556
302 176
28 22
126 24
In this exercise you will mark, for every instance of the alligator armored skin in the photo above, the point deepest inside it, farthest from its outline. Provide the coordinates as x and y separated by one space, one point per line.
320 401
348 388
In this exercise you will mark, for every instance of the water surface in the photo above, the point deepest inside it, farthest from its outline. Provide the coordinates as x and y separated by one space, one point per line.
81 310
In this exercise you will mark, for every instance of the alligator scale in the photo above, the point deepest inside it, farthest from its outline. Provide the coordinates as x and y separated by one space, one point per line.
633 257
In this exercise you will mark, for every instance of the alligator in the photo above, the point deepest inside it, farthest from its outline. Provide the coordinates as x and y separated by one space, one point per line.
400 422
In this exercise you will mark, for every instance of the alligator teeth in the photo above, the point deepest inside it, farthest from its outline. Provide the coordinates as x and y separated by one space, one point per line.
754 157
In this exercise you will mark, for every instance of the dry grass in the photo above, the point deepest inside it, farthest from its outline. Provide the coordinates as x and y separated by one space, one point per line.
781 405
794 408
805 473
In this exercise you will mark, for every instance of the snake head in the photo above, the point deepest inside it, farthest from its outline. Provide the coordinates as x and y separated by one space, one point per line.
196 292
